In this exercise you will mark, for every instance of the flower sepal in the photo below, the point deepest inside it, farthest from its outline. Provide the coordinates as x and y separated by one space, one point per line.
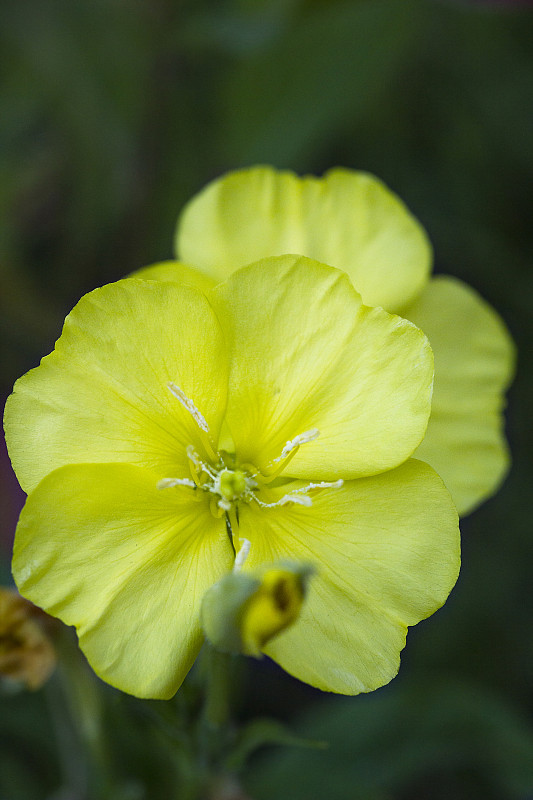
245 610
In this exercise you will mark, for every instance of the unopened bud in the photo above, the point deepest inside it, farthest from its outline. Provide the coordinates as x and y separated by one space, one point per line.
244 610
27 656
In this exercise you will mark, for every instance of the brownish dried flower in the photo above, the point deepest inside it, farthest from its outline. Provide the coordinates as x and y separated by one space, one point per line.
27 655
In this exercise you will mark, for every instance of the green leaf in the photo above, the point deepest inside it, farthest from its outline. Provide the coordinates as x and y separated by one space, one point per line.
395 740
261 732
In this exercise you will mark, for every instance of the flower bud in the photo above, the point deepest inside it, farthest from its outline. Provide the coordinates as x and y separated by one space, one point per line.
27 656
244 610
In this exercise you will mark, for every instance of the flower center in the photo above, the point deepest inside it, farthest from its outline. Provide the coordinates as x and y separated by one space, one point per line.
230 483
227 483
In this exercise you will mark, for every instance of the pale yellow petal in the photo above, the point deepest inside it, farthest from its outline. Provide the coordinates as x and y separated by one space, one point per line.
306 355
100 547
103 396
386 552
175 272
474 359
347 219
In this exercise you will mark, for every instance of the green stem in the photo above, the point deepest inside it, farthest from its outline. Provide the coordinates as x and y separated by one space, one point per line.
218 687
214 730
79 705
70 753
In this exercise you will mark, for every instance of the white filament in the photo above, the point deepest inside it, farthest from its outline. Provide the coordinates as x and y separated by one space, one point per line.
321 485
300 500
242 555
189 405
193 456
299 496
166 483
302 438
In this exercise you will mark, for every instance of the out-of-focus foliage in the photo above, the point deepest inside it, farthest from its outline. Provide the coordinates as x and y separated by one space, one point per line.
114 112
438 739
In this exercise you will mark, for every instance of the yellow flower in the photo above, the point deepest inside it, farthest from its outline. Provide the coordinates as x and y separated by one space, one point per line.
350 220
277 409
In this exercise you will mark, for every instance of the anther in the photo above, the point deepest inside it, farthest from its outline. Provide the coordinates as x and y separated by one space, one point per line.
189 405
299 496
302 438
299 500
197 462
167 483
321 485
242 555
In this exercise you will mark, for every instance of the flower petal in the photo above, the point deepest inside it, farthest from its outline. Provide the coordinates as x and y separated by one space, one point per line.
102 395
386 550
347 219
100 547
306 354
474 360
176 272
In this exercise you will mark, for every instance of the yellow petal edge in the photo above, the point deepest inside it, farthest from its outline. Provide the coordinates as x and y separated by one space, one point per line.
387 553
474 363
101 548
307 355
347 219
102 395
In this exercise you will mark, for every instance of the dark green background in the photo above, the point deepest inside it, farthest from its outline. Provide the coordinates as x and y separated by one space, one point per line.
113 113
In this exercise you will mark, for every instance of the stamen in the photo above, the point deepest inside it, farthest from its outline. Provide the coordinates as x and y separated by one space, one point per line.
215 508
321 485
166 483
189 405
302 438
299 496
242 555
195 459
300 500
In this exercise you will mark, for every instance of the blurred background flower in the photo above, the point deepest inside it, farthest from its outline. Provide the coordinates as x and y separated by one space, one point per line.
114 113
27 655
